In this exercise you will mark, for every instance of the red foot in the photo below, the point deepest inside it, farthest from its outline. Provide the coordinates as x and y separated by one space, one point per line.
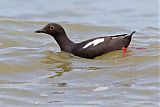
124 51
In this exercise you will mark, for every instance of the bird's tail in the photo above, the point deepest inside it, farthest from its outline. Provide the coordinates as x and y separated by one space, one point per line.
129 36
128 39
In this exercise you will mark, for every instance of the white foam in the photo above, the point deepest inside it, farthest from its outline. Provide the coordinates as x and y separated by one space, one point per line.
94 42
100 89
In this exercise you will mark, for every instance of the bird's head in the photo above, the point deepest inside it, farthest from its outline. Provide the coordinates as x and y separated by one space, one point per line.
52 29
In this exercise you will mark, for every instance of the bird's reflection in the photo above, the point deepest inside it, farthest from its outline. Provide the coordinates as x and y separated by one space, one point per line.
59 62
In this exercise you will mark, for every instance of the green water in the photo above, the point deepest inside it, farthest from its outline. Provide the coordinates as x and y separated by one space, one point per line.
34 73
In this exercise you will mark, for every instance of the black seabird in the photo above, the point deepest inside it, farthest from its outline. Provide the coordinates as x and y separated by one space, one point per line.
90 48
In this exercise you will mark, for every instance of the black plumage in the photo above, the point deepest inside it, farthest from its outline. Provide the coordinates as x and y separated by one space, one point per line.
90 48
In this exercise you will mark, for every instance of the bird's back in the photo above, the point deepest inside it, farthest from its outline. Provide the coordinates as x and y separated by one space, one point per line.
98 46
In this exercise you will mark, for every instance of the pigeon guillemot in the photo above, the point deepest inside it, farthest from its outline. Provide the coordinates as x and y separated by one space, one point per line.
90 48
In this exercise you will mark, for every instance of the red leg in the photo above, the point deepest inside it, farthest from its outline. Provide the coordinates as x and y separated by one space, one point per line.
124 51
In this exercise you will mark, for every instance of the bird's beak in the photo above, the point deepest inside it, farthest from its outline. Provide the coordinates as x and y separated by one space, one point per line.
39 31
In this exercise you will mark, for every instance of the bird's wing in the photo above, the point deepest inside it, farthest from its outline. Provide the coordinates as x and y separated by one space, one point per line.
92 48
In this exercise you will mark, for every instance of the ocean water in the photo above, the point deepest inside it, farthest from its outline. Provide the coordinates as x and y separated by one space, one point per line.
34 73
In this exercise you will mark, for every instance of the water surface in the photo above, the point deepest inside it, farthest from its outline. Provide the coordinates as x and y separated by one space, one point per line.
34 73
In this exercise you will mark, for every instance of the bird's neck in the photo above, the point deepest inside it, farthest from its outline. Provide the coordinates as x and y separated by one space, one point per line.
64 42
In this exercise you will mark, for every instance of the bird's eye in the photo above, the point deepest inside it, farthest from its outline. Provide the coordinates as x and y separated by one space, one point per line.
51 27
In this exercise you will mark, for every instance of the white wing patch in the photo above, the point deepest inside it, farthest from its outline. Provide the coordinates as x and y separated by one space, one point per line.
94 42
114 37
